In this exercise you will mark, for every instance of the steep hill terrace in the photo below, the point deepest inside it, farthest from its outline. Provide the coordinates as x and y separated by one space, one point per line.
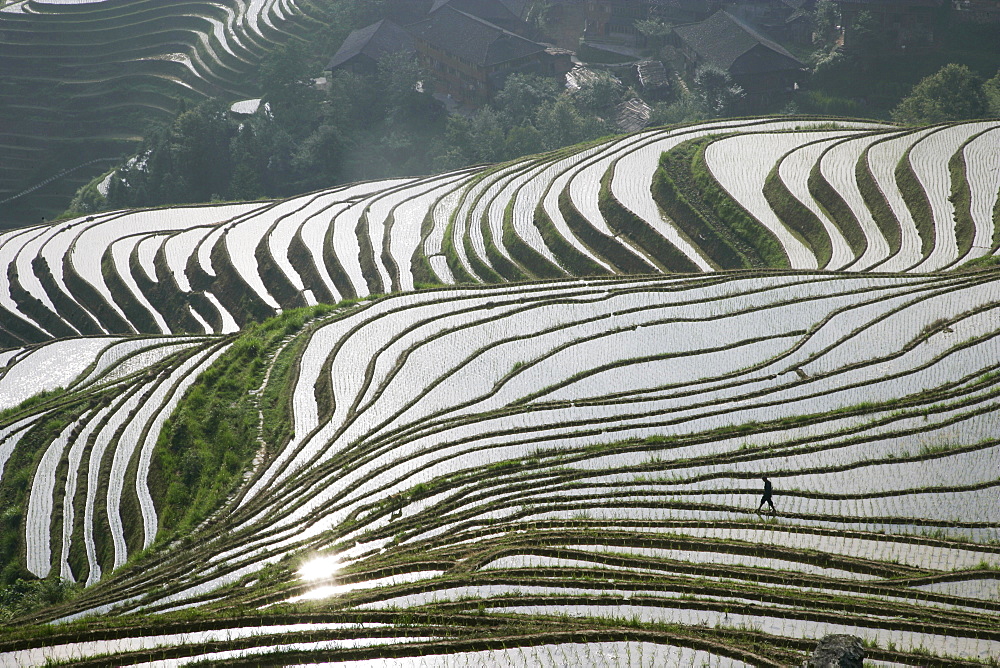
816 195
530 472
80 81
545 447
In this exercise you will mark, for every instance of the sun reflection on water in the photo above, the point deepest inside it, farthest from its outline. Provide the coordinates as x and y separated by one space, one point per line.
320 568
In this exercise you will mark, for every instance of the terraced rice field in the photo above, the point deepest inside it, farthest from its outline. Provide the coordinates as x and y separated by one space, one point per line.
851 196
550 471
104 69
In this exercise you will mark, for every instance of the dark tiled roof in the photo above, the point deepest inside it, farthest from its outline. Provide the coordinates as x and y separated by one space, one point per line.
472 39
722 39
903 4
491 10
373 41
405 12
693 5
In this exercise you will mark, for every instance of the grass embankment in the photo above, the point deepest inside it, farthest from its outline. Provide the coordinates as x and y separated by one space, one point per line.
876 202
528 257
917 202
20 591
451 256
837 209
961 198
174 304
420 263
508 270
676 194
685 189
578 263
18 473
33 307
608 248
212 436
798 217
642 235
68 308
15 331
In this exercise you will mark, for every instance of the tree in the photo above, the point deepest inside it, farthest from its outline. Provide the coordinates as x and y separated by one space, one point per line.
286 81
953 93
687 107
825 18
655 31
398 77
522 95
538 17
863 40
599 94
353 101
318 158
561 124
201 148
250 150
523 140
479 139
489 136
718 94
992 91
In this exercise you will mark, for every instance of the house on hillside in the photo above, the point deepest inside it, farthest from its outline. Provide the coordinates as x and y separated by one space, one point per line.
467 54
683 11
762 67
653 77
796 28
507 14
976 11
470 58
364 47
405 12
904 24
614 21
784 20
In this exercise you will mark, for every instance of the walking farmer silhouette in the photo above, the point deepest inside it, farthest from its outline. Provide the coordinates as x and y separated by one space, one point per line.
767 496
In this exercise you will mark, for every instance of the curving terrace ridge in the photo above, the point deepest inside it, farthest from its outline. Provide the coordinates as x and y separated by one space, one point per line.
855 197
517 454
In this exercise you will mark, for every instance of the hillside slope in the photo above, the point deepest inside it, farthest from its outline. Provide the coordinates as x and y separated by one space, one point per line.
561 467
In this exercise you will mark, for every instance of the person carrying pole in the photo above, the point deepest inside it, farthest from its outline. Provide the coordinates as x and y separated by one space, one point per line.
767 496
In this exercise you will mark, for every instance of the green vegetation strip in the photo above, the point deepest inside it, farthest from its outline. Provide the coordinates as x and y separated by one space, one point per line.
917 202
630 226
619 255
836 209
674 192
212 435
876 202
961 198
746 227
735 234
797 216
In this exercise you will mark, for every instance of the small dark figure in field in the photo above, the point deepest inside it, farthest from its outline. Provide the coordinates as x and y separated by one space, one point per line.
767 496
